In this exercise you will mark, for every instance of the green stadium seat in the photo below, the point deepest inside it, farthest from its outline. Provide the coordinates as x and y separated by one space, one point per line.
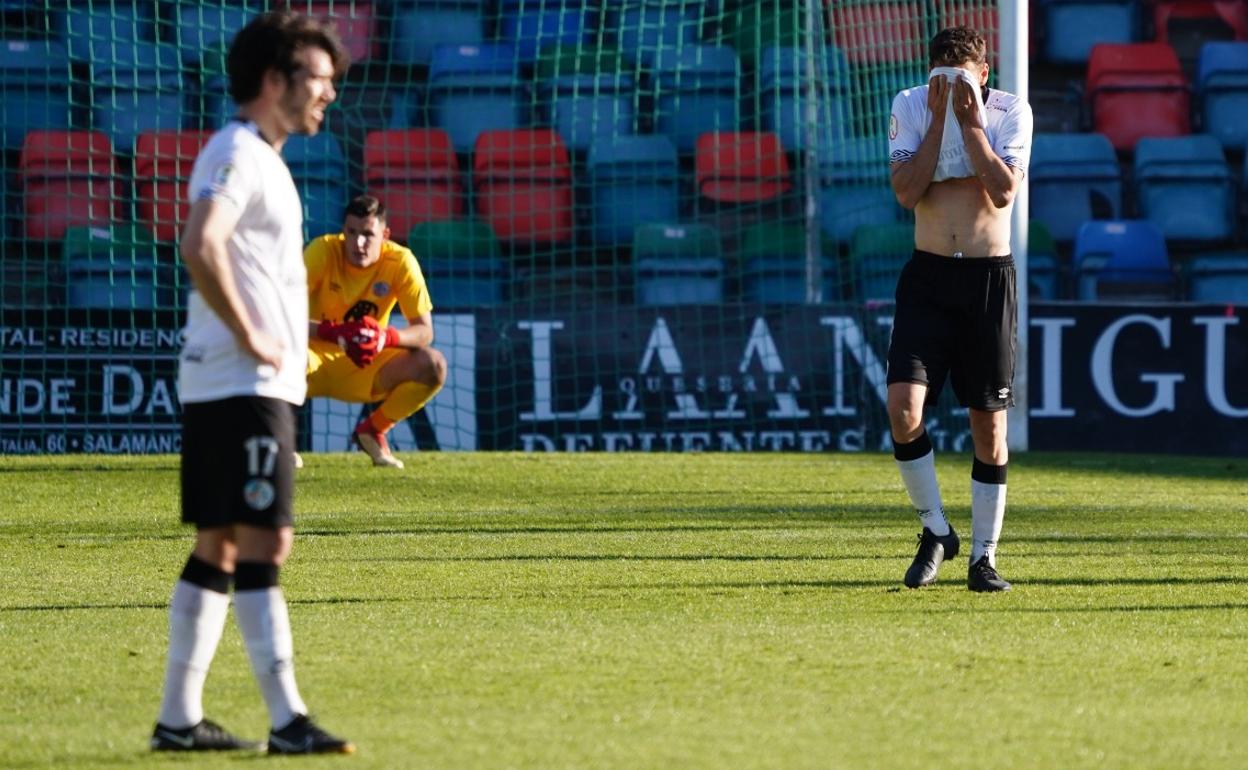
461 263
115 266
677 264
877 255
773 266
1044 275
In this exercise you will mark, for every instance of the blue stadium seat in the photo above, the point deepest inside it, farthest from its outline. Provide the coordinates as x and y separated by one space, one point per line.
88 28
773 266
1184 185
209 26
782 94
697 90
633 181
641 28
320 172
1122 258
1218 278
1222 92
1074 178
534 25
677 264
419 26
586 93
474 89
114 266
854 187
34 89
136 87
1072 27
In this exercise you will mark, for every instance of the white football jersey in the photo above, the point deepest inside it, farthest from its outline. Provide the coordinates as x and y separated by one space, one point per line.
238 167
1008 129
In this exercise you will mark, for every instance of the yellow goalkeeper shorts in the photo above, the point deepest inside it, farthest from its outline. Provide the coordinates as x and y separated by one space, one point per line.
331 374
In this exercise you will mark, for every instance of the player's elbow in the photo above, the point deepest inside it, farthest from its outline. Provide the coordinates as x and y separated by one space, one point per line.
1002 198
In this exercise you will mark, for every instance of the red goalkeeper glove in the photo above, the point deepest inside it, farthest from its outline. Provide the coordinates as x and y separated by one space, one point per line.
365 338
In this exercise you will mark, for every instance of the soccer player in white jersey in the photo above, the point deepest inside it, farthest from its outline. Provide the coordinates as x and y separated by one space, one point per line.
241 376
956 311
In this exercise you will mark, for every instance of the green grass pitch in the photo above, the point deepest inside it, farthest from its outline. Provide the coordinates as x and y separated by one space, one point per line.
655 611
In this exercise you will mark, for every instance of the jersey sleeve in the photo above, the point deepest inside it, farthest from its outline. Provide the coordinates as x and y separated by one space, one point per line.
315 259
224 172
413 293
904 132
1012 143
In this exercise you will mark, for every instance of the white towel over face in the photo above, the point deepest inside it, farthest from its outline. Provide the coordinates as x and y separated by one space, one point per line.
954 161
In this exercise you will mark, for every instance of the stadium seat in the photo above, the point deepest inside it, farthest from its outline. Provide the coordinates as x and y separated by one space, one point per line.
319 169
523 185
677 264
773 266
696 90
1218 277
1072 27
745 167
89 30
750 28
1043 271
419 26
1122 258
353 21
874 32
877 255
1188 25
162 167
461 263
474 89
1136 90
640 28
586 93
209 26
1074 178
1222 92
69 178
114 266
854 187
782 95
416 173
633 180
1184 186
531 26
34 89
136 87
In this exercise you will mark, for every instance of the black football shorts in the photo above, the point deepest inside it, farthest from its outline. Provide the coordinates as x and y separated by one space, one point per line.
957 318
238 462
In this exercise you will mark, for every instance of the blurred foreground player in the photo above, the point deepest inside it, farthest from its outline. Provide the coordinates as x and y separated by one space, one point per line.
241 375
958 153
355 278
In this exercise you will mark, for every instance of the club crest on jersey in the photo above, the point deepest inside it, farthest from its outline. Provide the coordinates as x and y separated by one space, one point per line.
892 127
223 175
381 288
259 494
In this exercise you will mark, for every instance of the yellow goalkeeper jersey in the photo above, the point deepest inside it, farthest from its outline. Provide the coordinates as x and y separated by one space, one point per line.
339 291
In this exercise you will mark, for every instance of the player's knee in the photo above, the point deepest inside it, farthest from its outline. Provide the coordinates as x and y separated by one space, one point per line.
905 418
433 368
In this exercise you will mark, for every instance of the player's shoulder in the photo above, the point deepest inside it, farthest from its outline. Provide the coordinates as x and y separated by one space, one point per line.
328 243
914 95
1006 102
397 253
231 139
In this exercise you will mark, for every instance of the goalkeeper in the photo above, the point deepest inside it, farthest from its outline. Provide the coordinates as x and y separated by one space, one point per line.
355 278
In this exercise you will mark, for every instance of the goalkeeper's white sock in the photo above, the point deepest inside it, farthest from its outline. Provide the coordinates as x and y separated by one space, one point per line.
197 612
917 463
987 509
263 619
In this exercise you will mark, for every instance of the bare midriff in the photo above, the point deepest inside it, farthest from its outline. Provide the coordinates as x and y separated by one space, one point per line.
956 218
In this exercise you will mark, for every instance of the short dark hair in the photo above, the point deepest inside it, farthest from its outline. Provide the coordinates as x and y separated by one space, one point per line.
365 206
955 46
270 41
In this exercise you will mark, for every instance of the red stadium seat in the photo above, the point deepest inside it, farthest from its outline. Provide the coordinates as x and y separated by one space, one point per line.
162 166
523 182
879 32
1233 14
416 174
1136 90
69 179
741 167
354 22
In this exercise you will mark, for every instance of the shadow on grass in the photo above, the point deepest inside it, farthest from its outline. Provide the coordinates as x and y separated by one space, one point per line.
1118 464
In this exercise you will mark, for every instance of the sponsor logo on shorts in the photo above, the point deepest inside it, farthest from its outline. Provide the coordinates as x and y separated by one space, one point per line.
259 494
381 288
1003 393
